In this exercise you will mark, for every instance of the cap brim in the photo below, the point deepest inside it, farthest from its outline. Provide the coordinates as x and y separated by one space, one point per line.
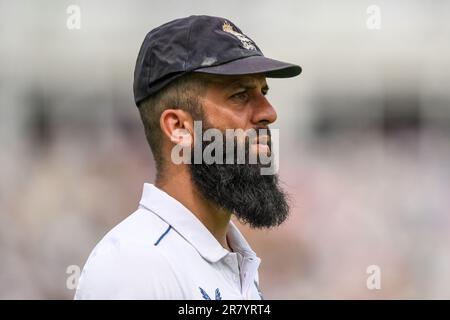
255 64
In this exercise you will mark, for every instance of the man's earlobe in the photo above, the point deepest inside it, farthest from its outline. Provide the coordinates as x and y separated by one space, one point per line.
181 150
181 136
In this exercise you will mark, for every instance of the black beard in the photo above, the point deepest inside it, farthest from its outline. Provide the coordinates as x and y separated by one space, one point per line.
241 189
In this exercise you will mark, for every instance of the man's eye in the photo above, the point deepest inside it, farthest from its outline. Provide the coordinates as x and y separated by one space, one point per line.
243 96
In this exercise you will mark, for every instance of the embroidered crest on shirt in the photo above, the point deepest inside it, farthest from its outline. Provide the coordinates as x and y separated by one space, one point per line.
246 42
206 296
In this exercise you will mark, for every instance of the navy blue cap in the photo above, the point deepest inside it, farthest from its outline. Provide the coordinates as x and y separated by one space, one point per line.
200 44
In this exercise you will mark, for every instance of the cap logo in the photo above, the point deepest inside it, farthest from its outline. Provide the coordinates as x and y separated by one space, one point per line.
246 42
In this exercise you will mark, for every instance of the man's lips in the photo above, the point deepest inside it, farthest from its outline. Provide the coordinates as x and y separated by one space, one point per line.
262 144
263 141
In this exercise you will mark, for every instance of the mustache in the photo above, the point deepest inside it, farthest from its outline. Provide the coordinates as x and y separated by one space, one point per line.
256 135
241 143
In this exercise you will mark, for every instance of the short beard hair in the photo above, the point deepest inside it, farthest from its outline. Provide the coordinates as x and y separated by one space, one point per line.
255 199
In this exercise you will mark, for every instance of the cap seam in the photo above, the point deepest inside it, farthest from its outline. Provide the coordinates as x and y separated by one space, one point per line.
228 61
147 71
188 47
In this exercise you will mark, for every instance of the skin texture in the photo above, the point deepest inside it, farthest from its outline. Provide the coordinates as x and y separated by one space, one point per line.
230 102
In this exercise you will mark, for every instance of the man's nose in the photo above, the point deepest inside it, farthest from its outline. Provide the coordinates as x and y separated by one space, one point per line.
264 112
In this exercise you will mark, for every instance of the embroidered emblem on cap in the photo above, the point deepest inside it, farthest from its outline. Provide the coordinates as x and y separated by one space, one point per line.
246 42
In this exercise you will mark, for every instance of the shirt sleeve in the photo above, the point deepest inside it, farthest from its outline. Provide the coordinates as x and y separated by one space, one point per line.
130 271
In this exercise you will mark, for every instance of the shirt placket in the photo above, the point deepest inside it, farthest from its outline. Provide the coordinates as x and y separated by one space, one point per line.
232 267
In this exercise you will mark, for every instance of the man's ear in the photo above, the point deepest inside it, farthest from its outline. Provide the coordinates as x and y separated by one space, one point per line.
176 125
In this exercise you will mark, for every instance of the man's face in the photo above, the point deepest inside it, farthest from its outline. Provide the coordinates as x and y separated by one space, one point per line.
240 103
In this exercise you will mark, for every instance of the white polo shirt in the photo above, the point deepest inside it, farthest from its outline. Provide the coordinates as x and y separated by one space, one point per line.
162 251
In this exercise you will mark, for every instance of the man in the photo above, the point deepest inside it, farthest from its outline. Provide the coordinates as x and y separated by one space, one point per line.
180 243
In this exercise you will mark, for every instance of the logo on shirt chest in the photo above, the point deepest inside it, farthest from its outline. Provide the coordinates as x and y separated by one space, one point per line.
205 296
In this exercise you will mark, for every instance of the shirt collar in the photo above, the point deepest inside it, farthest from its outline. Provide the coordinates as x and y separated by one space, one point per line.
190 227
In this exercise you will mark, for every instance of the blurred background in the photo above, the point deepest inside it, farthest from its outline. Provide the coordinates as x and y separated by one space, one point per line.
364 131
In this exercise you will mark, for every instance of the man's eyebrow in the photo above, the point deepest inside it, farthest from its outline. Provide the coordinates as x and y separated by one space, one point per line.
246 85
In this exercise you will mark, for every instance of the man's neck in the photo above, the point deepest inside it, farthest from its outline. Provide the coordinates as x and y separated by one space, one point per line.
181 188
